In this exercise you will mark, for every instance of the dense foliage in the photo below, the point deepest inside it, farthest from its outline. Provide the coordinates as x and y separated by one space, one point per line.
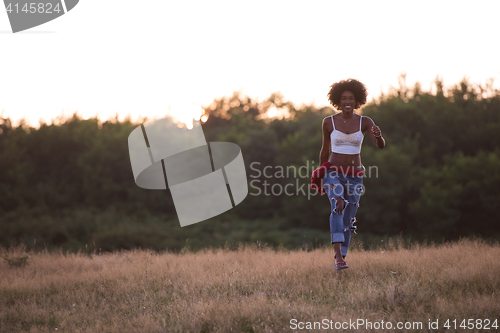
70 184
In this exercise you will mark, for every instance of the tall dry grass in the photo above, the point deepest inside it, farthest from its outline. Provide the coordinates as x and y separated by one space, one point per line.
249 290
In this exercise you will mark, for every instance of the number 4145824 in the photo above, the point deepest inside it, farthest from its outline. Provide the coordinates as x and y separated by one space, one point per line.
34 7
471 324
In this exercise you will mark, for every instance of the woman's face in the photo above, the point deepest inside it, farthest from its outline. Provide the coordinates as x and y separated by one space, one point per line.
347 101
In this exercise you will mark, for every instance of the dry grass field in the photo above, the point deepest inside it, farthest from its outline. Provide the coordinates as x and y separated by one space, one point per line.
254 290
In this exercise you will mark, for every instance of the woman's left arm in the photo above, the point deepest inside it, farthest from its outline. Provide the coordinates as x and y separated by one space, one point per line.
374 132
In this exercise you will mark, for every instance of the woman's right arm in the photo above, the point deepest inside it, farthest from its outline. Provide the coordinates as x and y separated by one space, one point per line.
324 153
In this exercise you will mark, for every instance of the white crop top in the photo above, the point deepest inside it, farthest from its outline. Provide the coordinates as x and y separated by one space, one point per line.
343 143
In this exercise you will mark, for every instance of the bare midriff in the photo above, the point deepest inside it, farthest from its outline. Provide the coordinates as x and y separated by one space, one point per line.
345 161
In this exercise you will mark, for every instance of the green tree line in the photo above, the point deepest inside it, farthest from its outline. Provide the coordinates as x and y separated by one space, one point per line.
70 184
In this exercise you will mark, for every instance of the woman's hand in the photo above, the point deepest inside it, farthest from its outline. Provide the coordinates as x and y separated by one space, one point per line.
376 131
339 205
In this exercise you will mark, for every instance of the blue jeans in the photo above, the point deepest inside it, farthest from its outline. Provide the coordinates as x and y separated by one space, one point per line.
349 188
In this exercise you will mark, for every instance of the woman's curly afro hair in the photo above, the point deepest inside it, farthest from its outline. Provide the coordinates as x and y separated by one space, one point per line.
352 85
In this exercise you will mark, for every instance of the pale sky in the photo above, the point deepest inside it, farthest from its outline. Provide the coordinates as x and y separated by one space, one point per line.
146 57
